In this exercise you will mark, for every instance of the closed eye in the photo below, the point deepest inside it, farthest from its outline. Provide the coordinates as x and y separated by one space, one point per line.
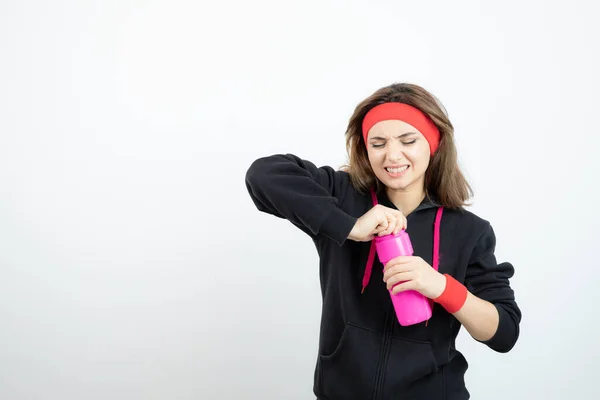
380 145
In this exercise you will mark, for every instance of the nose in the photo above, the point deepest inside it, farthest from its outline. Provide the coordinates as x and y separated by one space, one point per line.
395 152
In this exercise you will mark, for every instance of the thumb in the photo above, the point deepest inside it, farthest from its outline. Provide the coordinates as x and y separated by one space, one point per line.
383 221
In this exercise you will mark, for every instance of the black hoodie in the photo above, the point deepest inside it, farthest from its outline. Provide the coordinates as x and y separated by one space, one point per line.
364 353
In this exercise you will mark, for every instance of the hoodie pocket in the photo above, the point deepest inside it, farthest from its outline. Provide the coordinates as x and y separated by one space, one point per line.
349 372
411 371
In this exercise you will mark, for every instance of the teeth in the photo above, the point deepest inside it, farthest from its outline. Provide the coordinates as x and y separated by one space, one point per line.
396 170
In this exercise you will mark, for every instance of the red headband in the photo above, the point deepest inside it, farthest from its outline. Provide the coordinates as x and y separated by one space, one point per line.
403 112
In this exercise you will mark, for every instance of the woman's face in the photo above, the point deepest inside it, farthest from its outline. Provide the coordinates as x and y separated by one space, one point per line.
399 155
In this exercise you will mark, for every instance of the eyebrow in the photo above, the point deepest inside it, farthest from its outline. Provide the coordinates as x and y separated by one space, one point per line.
397 137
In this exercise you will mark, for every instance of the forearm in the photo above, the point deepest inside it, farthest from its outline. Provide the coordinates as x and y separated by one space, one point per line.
490 313
479 317
304 194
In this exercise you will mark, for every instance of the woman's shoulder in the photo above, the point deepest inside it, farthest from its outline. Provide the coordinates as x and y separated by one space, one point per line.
467 215
292 160
291 169
469 222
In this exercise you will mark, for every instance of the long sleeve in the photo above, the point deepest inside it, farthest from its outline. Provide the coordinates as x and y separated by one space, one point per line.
308 196
489 281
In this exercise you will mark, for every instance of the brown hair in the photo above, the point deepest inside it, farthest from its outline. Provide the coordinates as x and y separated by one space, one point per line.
443 178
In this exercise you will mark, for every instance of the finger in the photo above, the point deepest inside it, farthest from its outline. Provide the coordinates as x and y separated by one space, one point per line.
382 220
401 224
397 216
399 261
379 228
398 279
386 225
404 286
396 269
391 219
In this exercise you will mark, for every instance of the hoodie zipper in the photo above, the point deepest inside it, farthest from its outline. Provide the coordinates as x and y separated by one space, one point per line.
383 355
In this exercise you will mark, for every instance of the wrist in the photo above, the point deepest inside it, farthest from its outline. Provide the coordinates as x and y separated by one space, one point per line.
355 232
352 234
439 287
453 296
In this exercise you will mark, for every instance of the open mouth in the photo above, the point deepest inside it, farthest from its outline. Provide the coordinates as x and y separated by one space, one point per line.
397 171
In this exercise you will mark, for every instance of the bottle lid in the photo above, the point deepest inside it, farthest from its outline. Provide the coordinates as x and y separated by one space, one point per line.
402 235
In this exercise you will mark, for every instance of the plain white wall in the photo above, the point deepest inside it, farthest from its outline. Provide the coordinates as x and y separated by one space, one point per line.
126 128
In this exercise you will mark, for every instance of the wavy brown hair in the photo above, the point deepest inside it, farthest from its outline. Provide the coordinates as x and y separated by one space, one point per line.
443 179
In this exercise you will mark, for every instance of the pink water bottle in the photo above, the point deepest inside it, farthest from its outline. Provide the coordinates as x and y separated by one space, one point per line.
411 306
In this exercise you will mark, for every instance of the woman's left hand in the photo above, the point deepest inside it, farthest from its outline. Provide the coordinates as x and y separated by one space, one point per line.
415 274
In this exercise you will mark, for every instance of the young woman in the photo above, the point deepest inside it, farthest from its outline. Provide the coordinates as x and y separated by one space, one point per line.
402 174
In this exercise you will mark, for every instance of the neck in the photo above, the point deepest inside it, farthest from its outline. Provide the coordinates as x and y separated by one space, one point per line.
407 200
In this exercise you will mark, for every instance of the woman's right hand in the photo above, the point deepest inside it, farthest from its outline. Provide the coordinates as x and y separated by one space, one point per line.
379 220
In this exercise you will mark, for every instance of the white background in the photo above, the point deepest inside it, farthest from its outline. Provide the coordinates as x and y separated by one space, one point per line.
133 264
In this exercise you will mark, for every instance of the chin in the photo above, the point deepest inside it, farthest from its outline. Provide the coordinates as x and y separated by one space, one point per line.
395 184
400 186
